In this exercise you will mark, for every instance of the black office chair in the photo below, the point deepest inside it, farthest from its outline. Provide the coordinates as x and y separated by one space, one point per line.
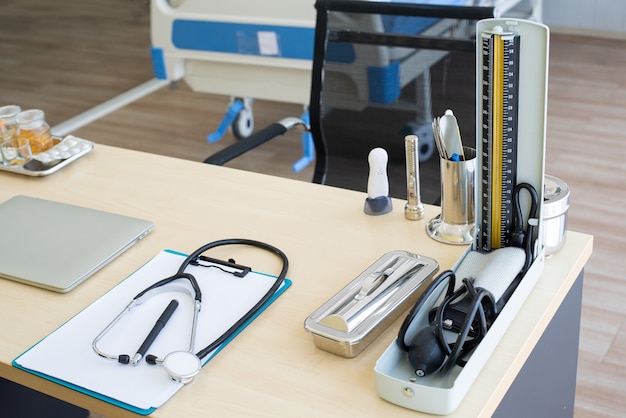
382 70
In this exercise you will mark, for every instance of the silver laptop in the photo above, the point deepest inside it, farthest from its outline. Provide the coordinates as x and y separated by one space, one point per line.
57 246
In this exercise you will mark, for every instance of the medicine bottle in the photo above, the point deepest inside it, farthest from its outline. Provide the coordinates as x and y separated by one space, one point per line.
8 124
31 125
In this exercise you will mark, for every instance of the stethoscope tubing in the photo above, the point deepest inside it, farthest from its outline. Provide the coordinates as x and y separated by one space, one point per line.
196 297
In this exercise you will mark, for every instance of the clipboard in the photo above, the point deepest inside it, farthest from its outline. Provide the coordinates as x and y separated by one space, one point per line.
66 357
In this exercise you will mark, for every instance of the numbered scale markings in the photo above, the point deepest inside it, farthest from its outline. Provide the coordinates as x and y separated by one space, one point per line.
500 75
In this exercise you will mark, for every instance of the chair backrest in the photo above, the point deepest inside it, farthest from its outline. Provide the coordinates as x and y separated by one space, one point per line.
382 70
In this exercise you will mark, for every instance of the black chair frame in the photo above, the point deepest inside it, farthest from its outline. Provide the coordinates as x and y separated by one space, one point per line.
322 34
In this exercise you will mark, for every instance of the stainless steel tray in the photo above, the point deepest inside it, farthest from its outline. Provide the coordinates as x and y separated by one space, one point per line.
348 322
40 166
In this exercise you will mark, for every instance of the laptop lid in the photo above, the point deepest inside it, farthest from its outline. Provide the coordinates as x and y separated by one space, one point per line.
56 245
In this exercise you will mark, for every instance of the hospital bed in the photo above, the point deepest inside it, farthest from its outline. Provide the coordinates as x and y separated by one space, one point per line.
251 49
238 48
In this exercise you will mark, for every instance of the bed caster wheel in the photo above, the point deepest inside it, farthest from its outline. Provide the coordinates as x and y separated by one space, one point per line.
243 125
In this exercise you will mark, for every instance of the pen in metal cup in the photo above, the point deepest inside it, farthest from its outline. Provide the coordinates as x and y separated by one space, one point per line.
414 209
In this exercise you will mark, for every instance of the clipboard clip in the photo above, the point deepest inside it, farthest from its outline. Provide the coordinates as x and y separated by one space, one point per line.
239 270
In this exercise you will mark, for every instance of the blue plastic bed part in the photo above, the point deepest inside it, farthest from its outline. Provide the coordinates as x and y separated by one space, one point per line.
239 38
230 116
158 63
384 83
340 52
407 25
308 149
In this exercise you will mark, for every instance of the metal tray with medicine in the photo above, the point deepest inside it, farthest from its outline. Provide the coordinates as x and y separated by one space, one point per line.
65 151
511 102
349 321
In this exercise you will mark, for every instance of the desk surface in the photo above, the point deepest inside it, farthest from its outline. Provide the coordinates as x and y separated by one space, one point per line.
273 366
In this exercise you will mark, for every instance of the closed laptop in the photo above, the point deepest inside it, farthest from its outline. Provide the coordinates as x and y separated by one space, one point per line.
57 246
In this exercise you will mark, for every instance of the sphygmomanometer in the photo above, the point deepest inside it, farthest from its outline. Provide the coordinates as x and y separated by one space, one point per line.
450 319
183 365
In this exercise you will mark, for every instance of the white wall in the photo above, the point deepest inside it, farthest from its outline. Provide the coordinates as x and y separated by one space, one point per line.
599 17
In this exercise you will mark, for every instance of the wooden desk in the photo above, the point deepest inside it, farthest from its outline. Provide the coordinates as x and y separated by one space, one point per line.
272 367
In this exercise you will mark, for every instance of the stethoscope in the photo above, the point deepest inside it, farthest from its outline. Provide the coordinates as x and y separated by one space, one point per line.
183 365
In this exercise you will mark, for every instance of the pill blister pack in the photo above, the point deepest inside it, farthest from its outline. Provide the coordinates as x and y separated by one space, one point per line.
64 152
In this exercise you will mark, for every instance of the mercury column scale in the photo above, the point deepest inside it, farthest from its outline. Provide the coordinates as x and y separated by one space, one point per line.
511 96
500 74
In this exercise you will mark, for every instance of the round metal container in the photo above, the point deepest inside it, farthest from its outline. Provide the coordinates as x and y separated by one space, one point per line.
554 213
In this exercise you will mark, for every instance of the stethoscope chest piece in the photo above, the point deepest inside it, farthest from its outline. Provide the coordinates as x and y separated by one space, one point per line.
182 366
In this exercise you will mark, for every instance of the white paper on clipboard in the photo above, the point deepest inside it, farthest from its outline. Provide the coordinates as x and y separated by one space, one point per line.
66 355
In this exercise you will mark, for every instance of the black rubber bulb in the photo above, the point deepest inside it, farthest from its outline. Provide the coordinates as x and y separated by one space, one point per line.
425 354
